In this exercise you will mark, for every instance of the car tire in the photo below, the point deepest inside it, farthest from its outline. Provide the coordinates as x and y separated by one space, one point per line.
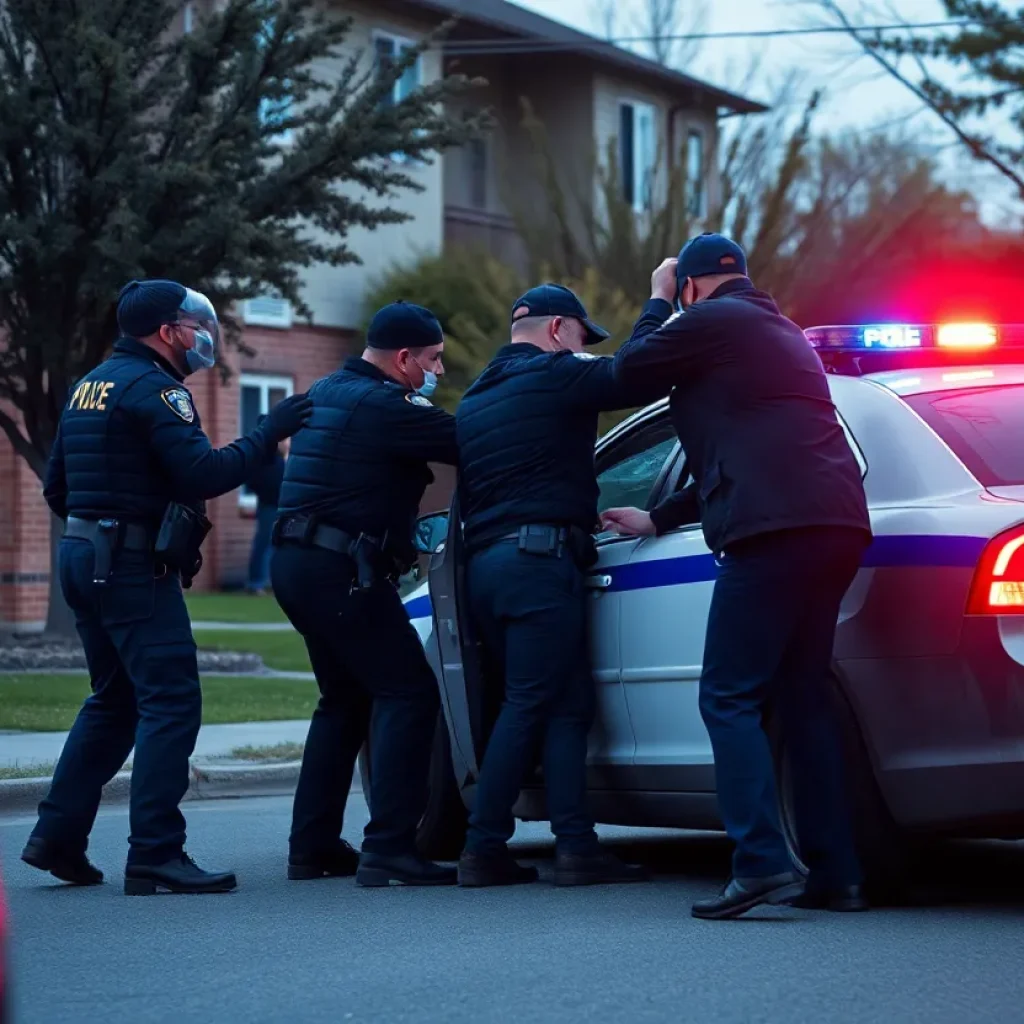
441 833
884 849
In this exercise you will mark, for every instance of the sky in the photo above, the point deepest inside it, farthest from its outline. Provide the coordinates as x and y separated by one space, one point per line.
859 95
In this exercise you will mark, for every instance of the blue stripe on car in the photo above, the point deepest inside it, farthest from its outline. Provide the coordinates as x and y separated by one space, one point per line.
920 551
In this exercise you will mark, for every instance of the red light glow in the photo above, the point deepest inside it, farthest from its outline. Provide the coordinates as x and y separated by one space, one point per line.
966 336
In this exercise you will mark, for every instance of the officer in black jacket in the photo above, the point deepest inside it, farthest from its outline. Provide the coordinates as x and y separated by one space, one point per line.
352 488
780 497
129 473
528 499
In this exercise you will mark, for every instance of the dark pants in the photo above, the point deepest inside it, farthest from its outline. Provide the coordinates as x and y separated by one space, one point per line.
530 611
769 642
145 693
259 555
374 678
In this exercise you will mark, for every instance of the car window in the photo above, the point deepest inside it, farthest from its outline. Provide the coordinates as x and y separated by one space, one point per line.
983 426
631 469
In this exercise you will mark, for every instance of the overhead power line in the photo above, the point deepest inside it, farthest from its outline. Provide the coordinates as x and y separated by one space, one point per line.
498 46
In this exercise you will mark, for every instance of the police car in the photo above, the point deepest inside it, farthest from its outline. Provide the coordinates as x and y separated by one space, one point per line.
928 672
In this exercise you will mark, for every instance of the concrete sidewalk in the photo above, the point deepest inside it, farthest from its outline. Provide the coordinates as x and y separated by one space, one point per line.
31 748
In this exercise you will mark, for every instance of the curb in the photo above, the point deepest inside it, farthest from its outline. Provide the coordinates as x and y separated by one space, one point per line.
206 782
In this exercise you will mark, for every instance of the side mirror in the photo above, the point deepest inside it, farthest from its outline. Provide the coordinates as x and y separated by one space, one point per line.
431 532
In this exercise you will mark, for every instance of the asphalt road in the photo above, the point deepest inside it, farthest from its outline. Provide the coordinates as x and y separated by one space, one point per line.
281 952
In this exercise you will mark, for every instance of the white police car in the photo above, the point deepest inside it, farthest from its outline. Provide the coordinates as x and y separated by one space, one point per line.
929 655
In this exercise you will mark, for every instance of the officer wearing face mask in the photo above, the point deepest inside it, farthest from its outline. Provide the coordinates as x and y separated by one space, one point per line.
129 473
528 502
347 515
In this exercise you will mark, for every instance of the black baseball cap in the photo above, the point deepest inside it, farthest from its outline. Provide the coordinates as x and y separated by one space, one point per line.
555 300
403 325
708 254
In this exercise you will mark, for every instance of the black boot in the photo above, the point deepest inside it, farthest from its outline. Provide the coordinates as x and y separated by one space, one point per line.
68 867
377 870
179 875
341 862
844 899
743 894
598 868
478 870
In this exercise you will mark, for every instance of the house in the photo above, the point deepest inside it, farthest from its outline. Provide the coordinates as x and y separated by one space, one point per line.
587 93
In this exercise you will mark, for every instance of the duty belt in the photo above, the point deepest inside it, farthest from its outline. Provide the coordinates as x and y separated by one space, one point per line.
553 540
108 536
369 553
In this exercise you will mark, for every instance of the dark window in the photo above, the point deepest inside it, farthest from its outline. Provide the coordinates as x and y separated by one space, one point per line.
983 426
477 154
630 470
626 152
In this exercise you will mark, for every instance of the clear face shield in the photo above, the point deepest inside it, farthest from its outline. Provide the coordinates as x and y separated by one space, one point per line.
196 311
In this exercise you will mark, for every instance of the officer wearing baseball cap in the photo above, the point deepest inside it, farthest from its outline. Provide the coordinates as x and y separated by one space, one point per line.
779 495
346 521
527 498
129 473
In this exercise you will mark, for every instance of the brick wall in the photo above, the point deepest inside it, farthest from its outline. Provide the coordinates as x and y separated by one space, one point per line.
24 543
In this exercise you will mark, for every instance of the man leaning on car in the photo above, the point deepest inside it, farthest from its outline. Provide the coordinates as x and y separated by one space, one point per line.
782 505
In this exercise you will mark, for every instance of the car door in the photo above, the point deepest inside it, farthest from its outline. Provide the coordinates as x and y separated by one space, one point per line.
632 463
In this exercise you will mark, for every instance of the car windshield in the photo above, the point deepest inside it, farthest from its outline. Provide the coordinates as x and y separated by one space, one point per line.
983 426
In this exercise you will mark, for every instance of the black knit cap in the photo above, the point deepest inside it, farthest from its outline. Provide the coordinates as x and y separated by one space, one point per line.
143 307
403 325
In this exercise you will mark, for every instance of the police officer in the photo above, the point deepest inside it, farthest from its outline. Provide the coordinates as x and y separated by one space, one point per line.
780 498
352 488
528 500
129 473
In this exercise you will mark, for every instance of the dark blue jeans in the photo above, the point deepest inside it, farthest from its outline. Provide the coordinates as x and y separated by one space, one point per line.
374 681
259 555
530 611
145 693
769 642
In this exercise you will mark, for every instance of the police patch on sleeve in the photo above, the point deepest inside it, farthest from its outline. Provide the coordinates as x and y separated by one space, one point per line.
588 355
675 316
179 401
419 400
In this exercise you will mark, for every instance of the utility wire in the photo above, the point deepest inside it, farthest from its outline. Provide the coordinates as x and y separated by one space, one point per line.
498 46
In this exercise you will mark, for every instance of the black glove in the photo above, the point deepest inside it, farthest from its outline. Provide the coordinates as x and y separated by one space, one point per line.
287 417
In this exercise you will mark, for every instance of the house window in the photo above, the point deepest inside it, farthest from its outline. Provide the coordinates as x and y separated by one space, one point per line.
695 172
476 153
258 394
267 311
188 18
388 50
637 154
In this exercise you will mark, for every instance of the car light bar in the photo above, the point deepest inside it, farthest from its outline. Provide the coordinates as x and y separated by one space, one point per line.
889 337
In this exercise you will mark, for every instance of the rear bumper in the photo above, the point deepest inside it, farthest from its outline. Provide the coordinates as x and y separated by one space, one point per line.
945 733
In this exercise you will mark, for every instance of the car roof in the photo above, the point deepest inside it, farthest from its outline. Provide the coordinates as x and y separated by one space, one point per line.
921 380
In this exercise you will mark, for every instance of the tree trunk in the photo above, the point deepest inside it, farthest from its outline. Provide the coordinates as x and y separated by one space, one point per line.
60 620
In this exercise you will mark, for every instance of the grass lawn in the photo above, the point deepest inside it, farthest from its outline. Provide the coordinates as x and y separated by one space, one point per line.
284 650
233 607
49 703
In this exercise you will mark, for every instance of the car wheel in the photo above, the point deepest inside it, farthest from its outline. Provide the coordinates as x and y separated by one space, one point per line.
442 829
883 848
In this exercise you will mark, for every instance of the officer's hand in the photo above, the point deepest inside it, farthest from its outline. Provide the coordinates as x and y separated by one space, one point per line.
288 416
629 522
663 280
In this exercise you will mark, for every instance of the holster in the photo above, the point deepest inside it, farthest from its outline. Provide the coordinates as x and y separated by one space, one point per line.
555 541
178 542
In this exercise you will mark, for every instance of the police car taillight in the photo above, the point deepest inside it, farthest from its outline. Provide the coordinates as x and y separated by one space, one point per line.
998 584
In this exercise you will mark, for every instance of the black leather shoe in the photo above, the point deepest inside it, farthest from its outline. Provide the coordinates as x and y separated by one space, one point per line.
341 862
601 868
68 867
377 870
179 875
844 899
478 870
743 894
